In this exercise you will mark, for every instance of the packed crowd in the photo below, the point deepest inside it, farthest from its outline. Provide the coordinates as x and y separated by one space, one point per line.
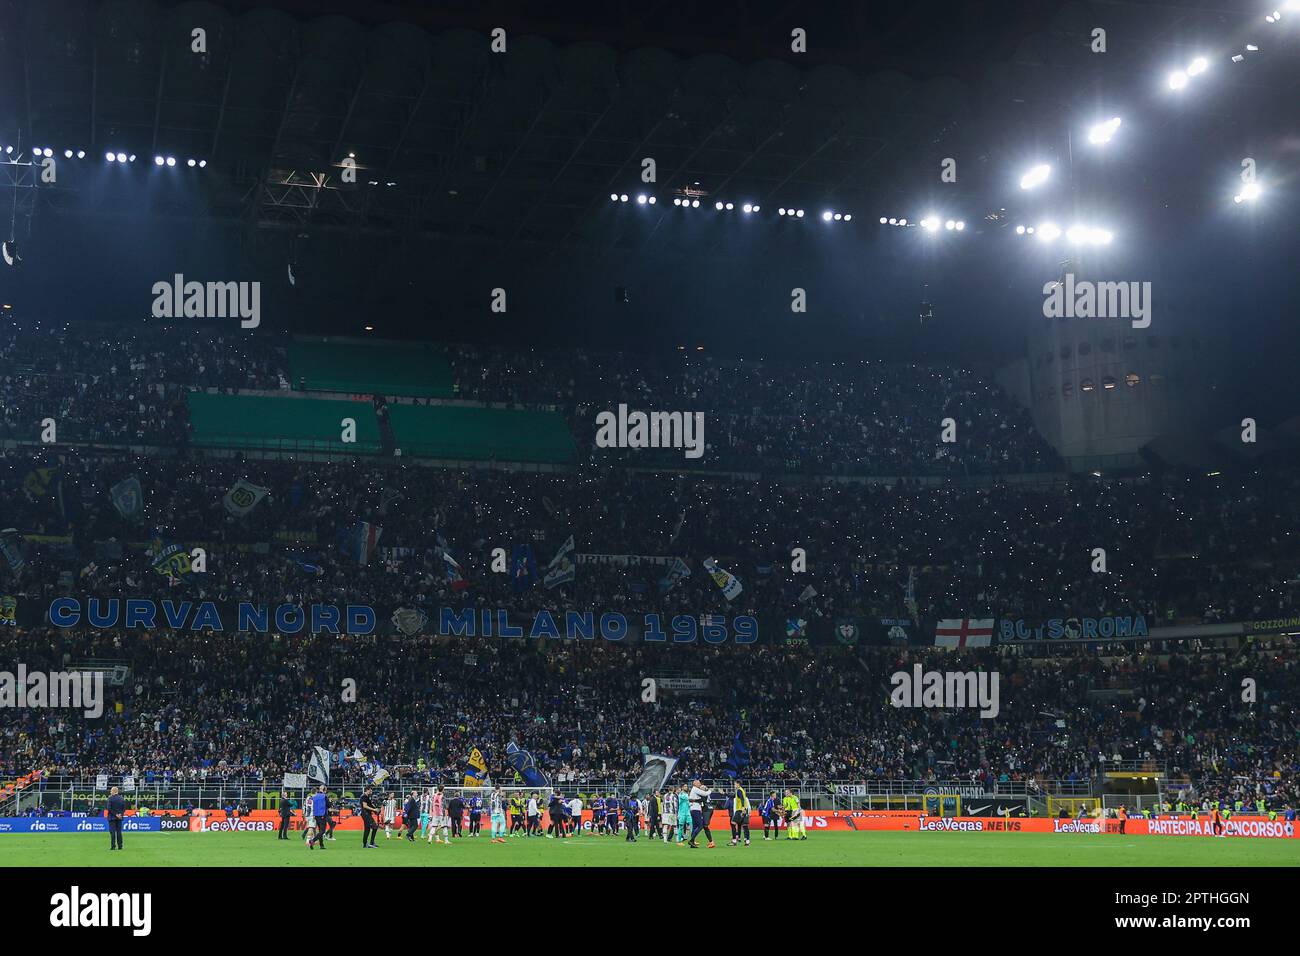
839 418
120 387
128 386
1176 549
222 707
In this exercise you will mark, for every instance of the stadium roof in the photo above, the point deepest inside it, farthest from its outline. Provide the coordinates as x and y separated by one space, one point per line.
453 140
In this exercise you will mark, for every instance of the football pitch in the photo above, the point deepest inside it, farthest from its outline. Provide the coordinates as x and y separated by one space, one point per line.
827 849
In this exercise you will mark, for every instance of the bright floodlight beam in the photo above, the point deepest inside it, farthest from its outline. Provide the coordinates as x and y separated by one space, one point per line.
1177 80
1036 176
1249 193
1102 132
1048 231
1198 65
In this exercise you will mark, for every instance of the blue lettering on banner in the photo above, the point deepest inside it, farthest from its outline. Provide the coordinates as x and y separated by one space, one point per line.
1072 628
66 612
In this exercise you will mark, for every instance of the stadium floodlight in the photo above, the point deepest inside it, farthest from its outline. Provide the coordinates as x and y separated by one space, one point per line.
826 216
1100 237
613 197
950 225
839 216
781 211
190 163
48 152
1198 65
1036 176
747 208
718 205
10 149
1020 230
1048 231
81 154
171 160
121 157
798 213
67 154
640 199
731 206
111 157
1249 193
651 200
677 200
1251 48
695 204
1102 132
129 159
929 224
902 222
847 217
622 197
1177 80
1077 234
960 225
883 220
158 160
203 164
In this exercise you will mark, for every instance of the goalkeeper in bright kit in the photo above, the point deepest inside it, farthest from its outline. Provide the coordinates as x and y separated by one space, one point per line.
794 822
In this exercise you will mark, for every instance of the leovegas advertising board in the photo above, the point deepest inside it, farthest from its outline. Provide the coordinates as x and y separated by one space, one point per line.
1160 826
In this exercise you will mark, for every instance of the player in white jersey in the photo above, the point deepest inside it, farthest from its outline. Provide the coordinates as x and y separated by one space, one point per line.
575 815
389 815
426 810
669 821
497 815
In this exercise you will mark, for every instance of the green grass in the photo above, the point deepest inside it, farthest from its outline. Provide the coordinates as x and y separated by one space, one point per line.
824 849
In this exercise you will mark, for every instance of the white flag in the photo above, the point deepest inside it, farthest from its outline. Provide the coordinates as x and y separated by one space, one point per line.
318 768
243 497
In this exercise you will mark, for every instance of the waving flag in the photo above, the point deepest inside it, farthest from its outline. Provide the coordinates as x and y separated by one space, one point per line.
318 767
724 579
11 546
677 571
475 769
128 497
738 759
522 763
654 774
523 568
963 632
360 541
243 497
561 569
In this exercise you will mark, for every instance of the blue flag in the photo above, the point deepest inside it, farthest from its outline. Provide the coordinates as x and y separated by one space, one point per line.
522 763
738 759
523 568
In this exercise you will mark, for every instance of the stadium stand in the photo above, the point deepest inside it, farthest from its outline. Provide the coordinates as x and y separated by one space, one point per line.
369 368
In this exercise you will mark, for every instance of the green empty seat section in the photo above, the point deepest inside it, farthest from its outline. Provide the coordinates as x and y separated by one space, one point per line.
391 368
289 424
467 433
